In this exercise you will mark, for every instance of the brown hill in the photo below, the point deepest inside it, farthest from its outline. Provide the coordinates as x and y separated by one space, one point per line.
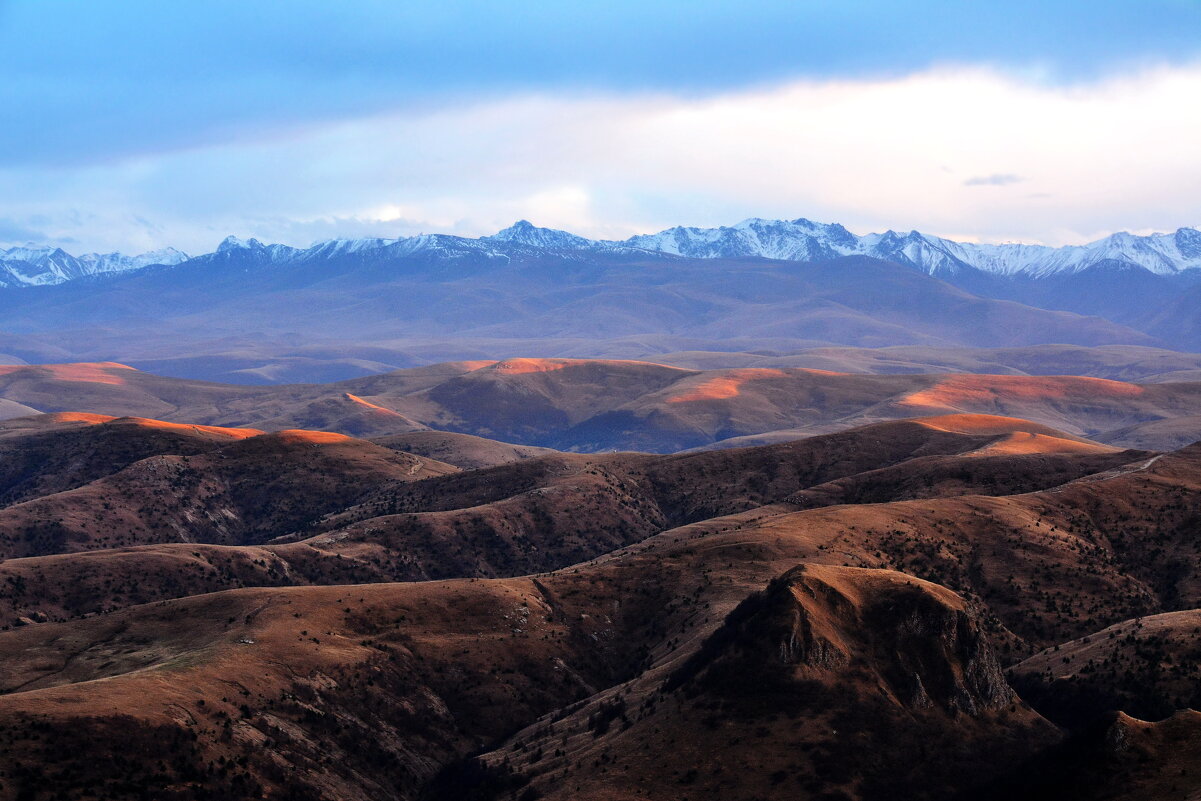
538 514
1167 434
346 414
1062 583
891 455
339 692
246 492
675 560
51 453
1117 758
344 692
462 450
1146 667
598 405
113 389
543 513
662 667
1118 362
830 683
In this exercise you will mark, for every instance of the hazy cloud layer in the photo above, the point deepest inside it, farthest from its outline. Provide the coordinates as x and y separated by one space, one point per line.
86 82
1115 154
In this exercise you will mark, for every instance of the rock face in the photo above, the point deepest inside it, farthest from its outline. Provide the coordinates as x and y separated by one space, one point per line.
912 642
832 682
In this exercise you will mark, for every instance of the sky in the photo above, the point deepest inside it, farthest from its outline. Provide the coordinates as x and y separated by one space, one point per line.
131 125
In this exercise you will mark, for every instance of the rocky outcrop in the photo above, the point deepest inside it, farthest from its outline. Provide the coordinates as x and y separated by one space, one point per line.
913 642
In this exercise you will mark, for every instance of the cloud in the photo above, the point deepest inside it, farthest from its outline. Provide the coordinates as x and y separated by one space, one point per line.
132 78
997 179
1113 154
13 232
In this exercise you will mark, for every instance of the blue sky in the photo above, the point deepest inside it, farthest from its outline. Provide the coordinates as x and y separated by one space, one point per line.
139 124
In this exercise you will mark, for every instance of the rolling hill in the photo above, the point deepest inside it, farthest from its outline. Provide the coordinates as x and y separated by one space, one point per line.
766 644
599 405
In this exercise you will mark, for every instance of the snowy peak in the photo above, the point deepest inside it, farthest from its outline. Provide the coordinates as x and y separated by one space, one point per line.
233 249
791 240
347 247
523 232
234 243
25 266
804 240
795 240
1188 243
119 262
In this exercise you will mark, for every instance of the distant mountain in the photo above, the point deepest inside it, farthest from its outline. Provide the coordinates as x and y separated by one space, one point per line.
526 233
806 241
803 240
257 312
504 294
788 240
23 266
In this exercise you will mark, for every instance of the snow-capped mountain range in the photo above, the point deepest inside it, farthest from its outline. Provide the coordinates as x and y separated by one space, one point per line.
25 266
793 240
803 240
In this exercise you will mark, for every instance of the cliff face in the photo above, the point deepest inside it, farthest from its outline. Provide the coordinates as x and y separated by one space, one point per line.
831 682
903 639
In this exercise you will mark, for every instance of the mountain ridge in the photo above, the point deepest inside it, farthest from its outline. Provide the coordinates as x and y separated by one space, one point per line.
246 310
1162 254
29 266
